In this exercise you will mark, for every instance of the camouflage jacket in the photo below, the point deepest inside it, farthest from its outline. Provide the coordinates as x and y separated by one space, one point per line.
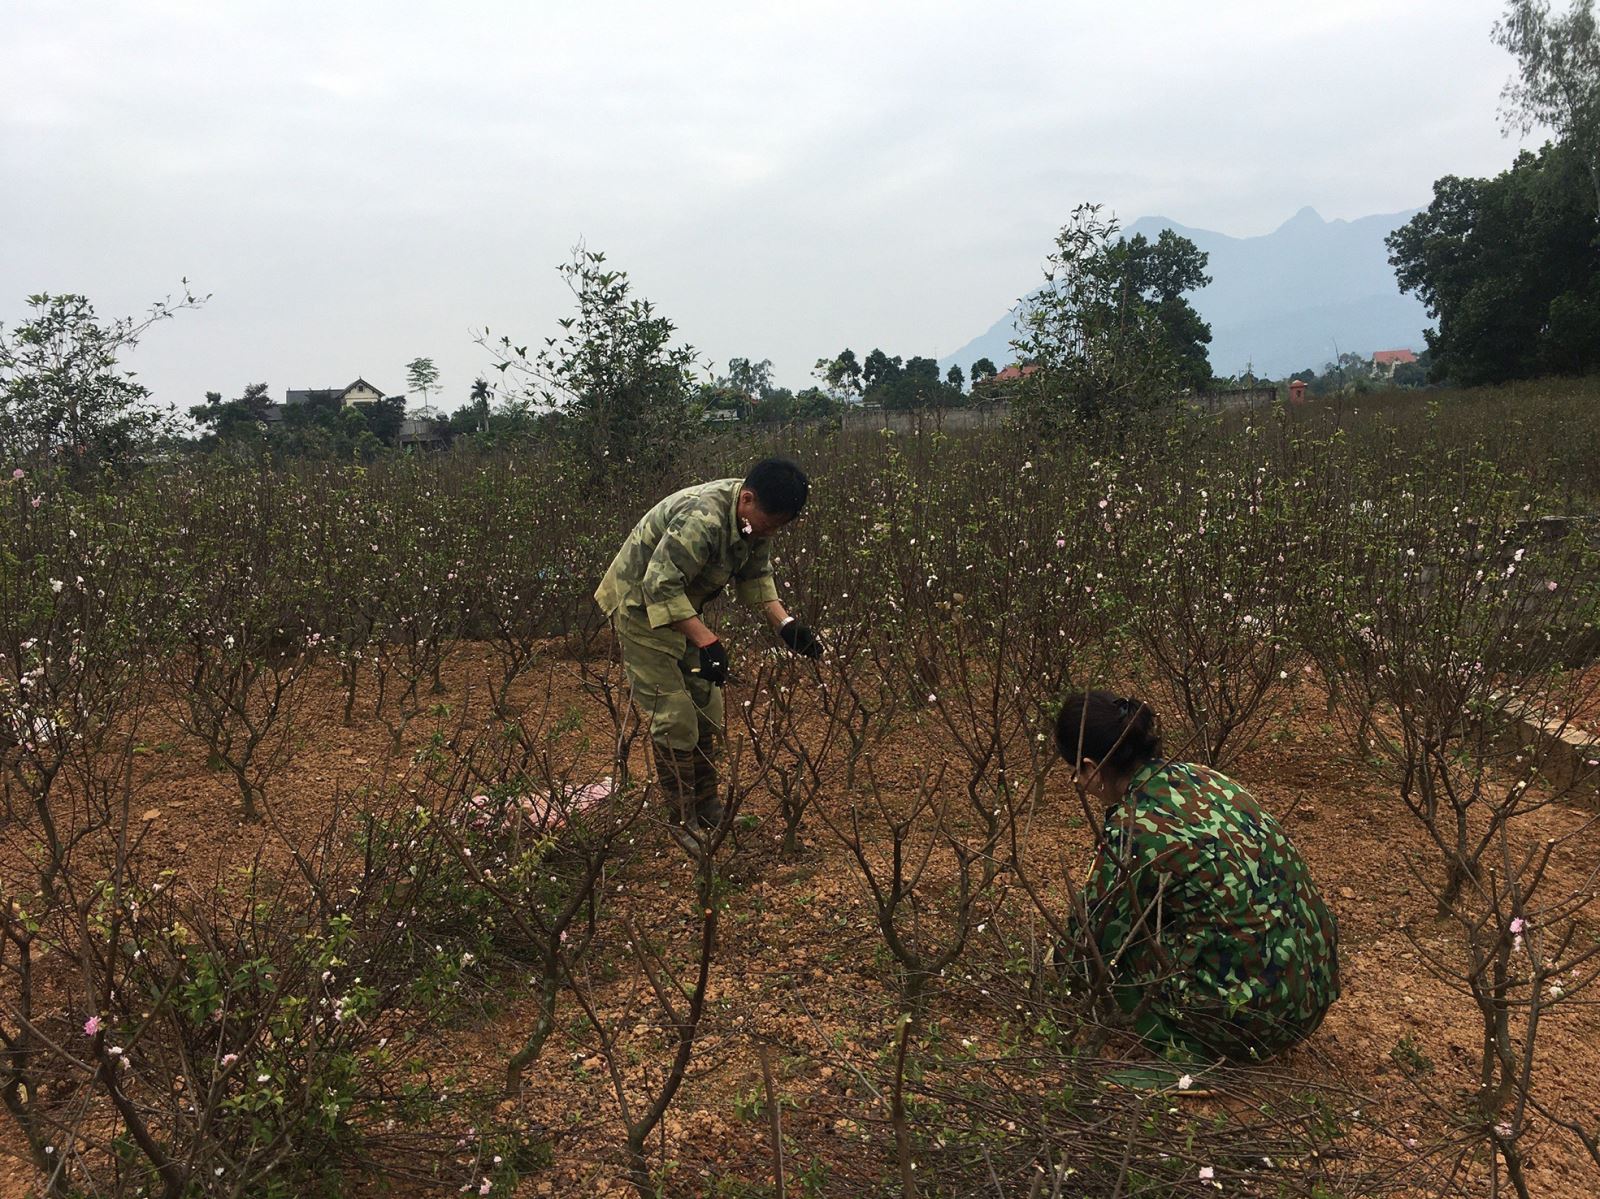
682 553
1198 893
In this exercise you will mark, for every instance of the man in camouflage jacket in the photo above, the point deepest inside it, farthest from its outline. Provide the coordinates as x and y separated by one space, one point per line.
679 557
1207 920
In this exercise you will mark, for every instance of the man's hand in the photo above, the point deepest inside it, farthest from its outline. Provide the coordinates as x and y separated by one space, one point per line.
800 639
714 663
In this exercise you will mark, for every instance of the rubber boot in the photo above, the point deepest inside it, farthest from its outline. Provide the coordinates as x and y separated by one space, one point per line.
707 784
675 776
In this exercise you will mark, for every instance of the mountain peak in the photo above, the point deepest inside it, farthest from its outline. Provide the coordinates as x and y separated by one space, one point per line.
1307 218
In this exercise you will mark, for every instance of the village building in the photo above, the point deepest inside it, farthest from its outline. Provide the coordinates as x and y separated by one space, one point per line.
1014 372
1384 362
995 387
359 392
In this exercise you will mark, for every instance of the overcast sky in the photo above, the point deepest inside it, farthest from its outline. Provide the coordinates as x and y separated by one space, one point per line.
361 183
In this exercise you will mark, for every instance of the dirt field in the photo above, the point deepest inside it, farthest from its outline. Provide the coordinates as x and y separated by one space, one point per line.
797 965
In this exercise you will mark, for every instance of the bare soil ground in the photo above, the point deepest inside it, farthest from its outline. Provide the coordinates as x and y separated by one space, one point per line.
798 965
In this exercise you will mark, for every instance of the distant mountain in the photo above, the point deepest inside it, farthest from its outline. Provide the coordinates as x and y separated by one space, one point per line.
1294 298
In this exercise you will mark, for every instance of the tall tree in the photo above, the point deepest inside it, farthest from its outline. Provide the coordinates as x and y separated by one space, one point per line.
752 379
1509 270
982 371
478 404
423 376
1160 274
1558 76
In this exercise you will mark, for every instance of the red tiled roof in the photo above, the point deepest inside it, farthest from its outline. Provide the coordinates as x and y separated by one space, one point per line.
1393 357
1015 372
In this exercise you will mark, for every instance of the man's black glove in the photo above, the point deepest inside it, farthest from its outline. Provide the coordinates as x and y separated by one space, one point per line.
800 638
714 663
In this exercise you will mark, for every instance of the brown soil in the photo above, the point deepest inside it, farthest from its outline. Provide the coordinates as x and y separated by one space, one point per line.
797 962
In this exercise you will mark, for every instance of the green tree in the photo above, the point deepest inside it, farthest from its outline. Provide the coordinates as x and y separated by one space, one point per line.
840 375
383 418
982 371
422 375
878 368
1162 272
1509 270
775 409
1350 373
1308 376
231 420
815 404
318 427
746 390
1165 269
1558 76
752 379
622 389
356 434
478 407
1101 347
915 385
955 378
782 405
62 387
1414 374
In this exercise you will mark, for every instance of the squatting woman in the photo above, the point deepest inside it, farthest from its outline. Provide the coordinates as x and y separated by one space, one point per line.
1203 917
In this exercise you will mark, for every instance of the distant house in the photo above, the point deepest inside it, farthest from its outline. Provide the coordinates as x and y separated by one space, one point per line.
995 386
424 428
359 392
1385 361
1014 372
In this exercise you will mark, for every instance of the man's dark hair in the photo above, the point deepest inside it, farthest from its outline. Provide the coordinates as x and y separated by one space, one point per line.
1118 733
780 487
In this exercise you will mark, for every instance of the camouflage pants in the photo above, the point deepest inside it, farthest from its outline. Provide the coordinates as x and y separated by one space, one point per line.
1193 1034
683 709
